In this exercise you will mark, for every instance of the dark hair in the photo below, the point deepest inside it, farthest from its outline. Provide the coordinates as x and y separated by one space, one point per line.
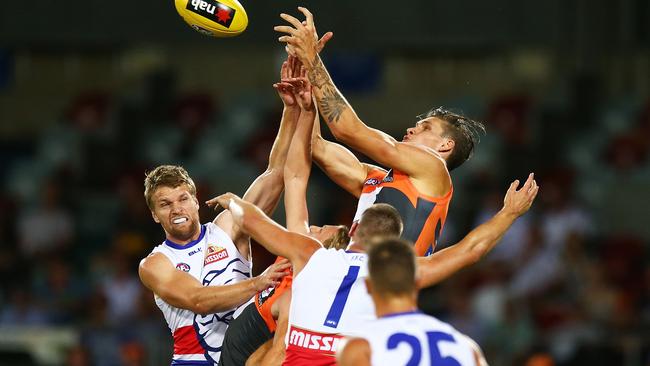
464 131
166 176
391 266
340 240
380 219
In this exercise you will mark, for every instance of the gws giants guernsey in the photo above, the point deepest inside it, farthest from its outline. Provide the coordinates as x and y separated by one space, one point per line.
213 260
328 300
423 216
416 339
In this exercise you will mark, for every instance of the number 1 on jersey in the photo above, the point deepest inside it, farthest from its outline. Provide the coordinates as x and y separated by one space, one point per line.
336 310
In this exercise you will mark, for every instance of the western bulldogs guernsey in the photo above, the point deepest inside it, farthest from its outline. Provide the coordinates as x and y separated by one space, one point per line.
214 260
414 338
423 216
329 300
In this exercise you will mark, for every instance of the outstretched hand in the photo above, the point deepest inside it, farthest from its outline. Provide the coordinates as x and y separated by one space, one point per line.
301 37
231 202
301 89
272 275
287 71
517 202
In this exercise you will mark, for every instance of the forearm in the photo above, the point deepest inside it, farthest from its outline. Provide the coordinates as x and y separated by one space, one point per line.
264 230
296 175
471 249
299 166
214 299
337 112
279 150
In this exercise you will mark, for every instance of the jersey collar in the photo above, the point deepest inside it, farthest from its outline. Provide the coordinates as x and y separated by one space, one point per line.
171 244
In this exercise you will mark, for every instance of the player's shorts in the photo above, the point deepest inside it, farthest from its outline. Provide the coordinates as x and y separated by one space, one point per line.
244 336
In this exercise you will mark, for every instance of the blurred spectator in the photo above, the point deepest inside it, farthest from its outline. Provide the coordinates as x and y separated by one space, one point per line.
78 356
49 226
21 310
59 291
121 288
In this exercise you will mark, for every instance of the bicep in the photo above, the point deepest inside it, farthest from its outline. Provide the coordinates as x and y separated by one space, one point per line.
280 241
340 165
416 161
173 286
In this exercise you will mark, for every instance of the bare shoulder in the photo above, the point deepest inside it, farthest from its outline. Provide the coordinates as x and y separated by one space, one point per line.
354 351
153 266
431 176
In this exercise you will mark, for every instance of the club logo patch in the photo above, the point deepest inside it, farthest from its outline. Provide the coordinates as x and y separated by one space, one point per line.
372 182
212 10
214 254
183 267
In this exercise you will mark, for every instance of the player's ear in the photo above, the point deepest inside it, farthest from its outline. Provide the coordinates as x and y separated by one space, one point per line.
368 286
155 218
447 145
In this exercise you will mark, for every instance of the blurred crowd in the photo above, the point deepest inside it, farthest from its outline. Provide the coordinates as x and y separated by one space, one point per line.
568 285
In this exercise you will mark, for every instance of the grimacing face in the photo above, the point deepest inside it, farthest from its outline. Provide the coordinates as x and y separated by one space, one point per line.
428 132
177 211
322 233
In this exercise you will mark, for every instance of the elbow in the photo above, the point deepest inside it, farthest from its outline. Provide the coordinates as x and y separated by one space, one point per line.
476 254
197 305
342 134
274 173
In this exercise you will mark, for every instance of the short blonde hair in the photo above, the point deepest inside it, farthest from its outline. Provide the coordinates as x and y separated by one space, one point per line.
166 176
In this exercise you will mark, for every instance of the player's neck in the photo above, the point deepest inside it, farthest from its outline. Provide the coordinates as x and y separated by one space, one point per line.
395 304
195 236
355 247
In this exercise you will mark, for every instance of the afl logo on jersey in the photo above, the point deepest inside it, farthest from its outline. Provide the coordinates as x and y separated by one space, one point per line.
372 182
183 267
214 254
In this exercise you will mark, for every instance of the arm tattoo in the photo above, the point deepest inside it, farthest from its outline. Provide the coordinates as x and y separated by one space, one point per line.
331 104
318 76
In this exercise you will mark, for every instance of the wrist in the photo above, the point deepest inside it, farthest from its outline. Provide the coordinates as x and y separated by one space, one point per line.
291 108
508 214
308 109
255 284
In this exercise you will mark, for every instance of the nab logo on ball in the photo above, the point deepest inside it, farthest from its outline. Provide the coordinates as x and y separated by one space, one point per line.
212 10
218 18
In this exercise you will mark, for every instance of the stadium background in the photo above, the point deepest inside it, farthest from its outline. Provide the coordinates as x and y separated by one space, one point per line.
93 93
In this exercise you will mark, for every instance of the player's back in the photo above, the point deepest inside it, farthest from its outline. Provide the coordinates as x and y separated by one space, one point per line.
329 300
415 338
423 216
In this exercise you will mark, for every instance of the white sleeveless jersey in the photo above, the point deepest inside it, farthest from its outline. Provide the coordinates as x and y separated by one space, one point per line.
328 300
213 259
415 338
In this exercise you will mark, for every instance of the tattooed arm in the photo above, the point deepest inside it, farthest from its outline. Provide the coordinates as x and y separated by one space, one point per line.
344 123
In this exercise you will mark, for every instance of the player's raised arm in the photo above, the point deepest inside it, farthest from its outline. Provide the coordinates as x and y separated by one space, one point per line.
265 191
346 126
183 291
479 241
338 163
298 248
298 168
